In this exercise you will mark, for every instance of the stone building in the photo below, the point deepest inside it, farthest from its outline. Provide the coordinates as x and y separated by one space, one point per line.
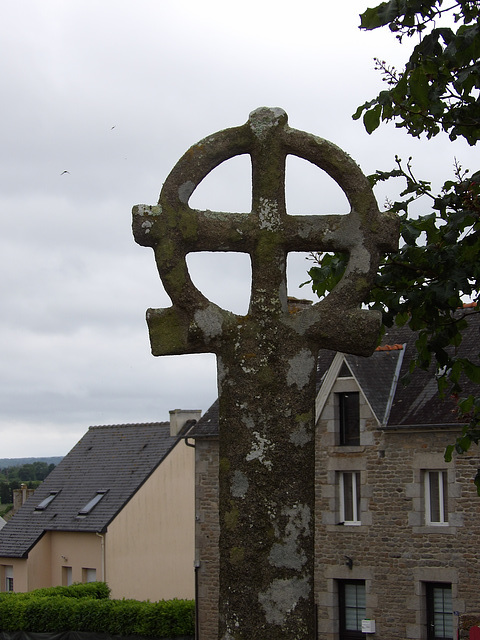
397 528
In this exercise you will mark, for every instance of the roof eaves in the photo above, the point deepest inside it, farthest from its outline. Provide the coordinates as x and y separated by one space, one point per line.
327 384
393 388
451 426
25 552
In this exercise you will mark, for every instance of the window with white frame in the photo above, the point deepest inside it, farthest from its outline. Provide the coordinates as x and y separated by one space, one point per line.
89 575
67 578
8 578
436 494
349 489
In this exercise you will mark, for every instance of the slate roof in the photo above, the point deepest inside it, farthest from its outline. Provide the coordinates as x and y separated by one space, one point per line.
207 426
396 405
117 459
417 403
378 378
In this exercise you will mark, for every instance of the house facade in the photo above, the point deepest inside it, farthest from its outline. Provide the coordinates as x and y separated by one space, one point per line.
397 528
118 508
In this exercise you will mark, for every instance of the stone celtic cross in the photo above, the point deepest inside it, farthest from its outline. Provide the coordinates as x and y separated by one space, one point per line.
266 360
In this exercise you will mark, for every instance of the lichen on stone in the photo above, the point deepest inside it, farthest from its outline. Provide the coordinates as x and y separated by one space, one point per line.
300 368
282 597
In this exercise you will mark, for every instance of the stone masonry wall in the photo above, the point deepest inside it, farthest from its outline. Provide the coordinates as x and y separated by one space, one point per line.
392 549
467 622
206 537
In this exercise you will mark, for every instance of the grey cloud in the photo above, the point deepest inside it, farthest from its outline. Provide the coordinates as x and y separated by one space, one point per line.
74 346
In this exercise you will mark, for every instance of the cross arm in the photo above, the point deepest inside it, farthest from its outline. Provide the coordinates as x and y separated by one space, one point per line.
194 230
200 329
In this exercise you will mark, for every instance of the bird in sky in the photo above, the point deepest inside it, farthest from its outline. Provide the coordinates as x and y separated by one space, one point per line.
64 172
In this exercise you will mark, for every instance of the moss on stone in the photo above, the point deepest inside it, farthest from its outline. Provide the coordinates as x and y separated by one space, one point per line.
188 224
231 518
237 555
167 335
303 417
177 276
224 465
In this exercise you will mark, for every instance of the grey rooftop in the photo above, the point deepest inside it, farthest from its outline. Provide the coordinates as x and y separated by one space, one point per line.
108 465
413 405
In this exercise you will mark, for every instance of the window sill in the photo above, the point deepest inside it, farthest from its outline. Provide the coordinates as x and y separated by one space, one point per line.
432 528
343 448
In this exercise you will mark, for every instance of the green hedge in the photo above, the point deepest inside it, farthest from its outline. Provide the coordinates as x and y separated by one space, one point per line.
95 590
87 608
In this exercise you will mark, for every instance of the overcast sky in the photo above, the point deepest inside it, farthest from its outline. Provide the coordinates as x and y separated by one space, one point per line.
114 92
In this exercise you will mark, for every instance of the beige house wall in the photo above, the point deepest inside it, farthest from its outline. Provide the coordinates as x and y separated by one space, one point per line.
149 547
37 570
80 551
50 557
19 573
29 573
146 553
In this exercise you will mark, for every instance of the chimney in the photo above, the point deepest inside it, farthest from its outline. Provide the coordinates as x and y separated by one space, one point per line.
295 305
179 417
20 496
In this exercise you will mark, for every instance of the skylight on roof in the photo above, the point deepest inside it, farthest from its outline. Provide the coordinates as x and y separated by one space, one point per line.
92 503
41 506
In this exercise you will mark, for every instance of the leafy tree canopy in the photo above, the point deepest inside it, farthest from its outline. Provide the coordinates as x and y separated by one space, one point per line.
26 472
437 267
438 88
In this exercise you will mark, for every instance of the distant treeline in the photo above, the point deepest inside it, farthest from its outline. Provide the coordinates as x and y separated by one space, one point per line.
31 474
16 462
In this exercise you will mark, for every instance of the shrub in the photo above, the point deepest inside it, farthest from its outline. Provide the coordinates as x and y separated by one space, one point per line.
87 608
96 590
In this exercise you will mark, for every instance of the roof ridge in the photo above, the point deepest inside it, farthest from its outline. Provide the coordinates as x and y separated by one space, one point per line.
129 424
390 347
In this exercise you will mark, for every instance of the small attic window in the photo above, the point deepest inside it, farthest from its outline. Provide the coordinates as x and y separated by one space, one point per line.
344 371
92 503
41 506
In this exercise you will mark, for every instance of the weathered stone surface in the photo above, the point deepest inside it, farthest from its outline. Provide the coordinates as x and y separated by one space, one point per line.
266 360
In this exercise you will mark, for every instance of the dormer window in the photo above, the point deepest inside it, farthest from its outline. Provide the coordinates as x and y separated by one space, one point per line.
41 506
348 418
92 503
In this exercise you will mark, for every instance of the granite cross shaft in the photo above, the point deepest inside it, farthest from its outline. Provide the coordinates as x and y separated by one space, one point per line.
266 360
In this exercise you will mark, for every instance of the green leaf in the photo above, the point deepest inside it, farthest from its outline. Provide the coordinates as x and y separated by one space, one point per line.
472 371
418 85
379 16
466 404
463 444
448 452
371 119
